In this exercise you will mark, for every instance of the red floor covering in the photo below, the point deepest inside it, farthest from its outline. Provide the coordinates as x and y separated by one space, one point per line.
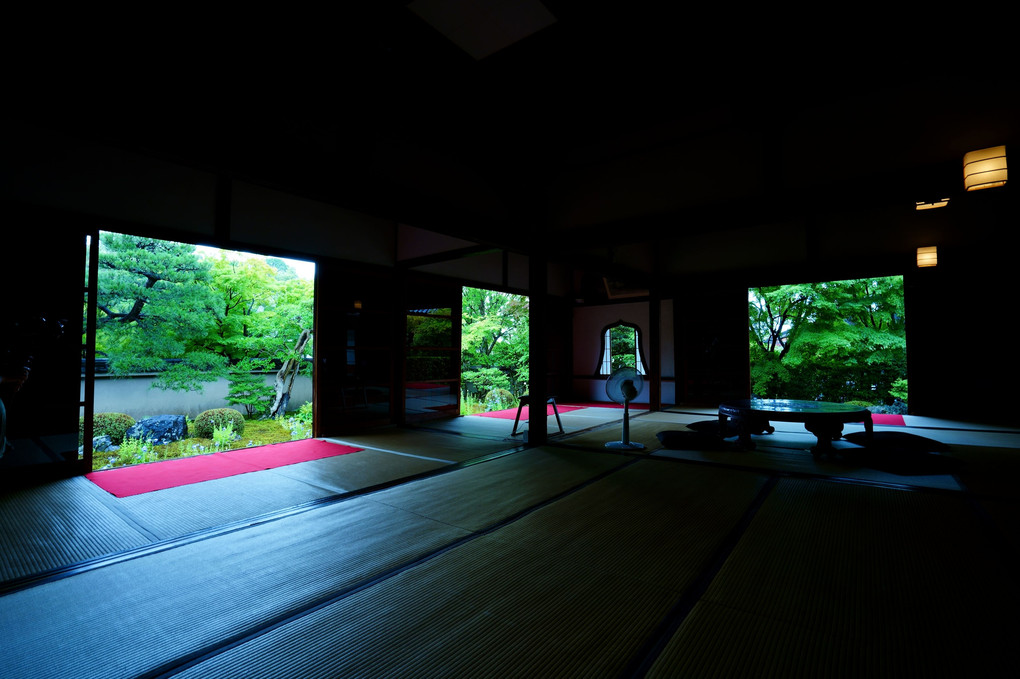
145 478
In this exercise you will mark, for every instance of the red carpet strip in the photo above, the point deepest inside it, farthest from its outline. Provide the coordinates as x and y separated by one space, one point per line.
145 478
881 418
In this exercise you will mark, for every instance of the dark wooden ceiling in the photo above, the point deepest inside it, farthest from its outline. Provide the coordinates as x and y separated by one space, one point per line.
621 119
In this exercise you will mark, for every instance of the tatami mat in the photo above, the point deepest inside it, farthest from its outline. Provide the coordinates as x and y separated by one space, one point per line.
173 512
486 609
132 617
641 431
435 553
437 445
793 458
55 524
572 589
478 496
870 582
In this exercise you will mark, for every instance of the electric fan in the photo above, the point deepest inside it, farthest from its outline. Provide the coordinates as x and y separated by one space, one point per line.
622 387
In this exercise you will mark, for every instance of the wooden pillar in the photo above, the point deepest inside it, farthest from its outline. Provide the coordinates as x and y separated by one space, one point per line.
654 352
538 349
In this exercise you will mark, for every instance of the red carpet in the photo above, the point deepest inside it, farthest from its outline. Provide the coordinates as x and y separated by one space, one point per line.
145 478
880 418
511 413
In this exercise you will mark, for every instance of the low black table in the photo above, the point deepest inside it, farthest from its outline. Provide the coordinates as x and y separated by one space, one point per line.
824 420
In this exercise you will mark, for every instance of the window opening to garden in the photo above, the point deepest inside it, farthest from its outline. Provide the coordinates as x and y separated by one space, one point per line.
621 348
197 350
494 350
840 341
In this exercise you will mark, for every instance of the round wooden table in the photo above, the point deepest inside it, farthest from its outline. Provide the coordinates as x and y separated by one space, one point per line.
823 419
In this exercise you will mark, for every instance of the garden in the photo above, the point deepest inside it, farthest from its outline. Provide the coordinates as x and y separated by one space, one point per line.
494 350
839 341
117 443
186 317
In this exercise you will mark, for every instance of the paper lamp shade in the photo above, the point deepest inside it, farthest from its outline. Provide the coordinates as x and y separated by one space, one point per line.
927 256
985 168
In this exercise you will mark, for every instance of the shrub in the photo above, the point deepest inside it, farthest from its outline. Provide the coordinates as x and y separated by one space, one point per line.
499 399
113 425
207 421
250 390
223 436
304 413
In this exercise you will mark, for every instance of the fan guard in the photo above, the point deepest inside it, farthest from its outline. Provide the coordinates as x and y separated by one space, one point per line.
622 387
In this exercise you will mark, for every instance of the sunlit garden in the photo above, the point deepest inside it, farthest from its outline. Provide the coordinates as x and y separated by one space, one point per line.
838 341
494 350
179 318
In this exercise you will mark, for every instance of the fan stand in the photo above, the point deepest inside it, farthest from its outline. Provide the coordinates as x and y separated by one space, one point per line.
625 443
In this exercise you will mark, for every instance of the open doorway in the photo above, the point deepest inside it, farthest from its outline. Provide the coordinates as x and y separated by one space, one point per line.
840 341
494 350
217 343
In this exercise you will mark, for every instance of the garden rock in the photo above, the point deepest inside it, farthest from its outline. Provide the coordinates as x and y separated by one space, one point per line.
159 429
100 444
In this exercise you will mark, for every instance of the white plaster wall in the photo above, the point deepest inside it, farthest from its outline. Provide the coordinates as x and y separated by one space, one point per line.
133 395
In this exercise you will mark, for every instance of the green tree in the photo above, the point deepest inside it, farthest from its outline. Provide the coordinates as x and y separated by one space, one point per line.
163 307
494 335
249 389
155 311
266 318
841 340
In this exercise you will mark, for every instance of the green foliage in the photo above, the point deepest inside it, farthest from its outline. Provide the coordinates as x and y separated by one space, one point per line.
224 435
622 347
499 399
304 413
165 308
262 306
470 405
485 379
207 421
259 432
429 336
836 341
249 390
154 303
132 451
299 429
114 425
899 389
494 341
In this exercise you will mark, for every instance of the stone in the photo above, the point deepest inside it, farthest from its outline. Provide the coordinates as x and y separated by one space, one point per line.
159 429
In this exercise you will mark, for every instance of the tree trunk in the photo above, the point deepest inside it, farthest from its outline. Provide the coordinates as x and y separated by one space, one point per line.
286 374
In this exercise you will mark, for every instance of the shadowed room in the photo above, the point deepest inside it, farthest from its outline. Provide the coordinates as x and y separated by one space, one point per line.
630 176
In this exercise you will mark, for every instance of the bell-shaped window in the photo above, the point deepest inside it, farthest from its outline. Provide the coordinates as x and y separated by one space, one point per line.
621 347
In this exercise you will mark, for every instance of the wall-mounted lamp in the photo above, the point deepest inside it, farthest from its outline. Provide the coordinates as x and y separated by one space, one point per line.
985 168
928 256
922 205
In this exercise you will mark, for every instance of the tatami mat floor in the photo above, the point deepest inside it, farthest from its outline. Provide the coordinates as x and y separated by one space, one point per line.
454 550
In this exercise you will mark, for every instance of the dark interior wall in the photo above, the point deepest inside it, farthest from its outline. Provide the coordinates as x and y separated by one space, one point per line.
960 347
960 350
961 318
357 347
43 276
710 335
